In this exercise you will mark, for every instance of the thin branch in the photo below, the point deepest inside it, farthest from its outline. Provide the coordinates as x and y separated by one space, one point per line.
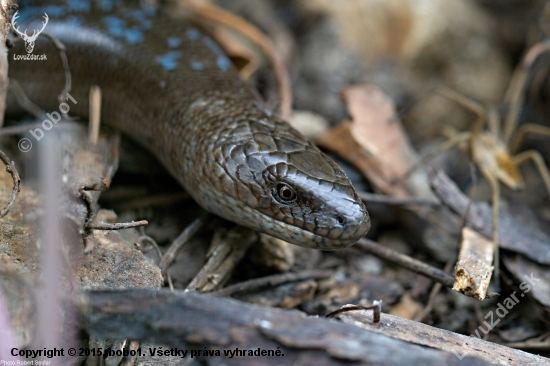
145 238
403 260
431 299
391 200
376 310
179 242
117 226
271 281
10 167
532 346
63 55
23 100
410 263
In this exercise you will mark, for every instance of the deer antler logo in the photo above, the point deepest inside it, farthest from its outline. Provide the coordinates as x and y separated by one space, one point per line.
29 40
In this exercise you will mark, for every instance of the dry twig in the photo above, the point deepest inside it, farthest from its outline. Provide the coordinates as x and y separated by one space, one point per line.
398 201
63 55
271 281
179 242
376 310
431 299
405 261
10 167
117 226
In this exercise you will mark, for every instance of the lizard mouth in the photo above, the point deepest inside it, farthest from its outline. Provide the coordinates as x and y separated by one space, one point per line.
349 235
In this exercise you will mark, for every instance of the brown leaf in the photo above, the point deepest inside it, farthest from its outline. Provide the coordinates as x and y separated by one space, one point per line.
534 278
376 144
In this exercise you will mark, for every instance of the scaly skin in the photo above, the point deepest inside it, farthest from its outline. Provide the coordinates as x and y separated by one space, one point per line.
169 86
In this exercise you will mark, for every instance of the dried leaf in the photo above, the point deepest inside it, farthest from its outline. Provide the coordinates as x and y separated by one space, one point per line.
522 238
246 60
406 307
376 144
534 278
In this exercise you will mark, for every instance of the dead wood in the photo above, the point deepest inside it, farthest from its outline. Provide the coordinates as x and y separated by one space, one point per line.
473 269
197 322
441 339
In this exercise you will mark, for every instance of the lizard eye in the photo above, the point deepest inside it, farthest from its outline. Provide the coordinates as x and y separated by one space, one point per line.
284 193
